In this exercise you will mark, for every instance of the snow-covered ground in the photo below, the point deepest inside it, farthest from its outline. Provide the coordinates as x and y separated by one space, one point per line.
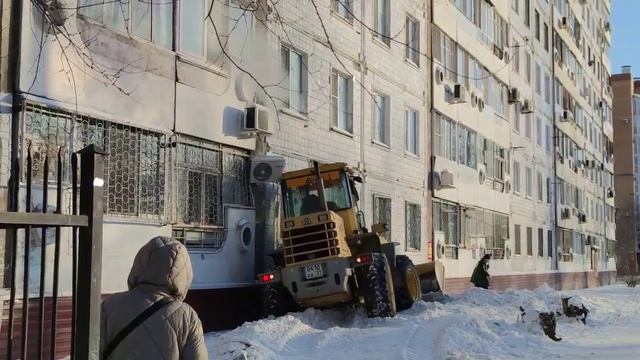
479 324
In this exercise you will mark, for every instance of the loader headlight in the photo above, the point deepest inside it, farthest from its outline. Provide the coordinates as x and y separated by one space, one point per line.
289 224
323 217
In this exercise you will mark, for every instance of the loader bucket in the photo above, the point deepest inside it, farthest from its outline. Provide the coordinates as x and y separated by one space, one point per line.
431 276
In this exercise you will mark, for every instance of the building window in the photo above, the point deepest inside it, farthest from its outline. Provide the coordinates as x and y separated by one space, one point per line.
516 117
144 19
381 110
547 88
413 41
412 131
538 79
383 21
467 150
537 24
515 5
529 241
344 8
527 66
549 243
540 242
546 37
529 182
540 188
192 26
382 213
517 239
446 220
539 137
342 101
527 12
549 139
413 226
490 226
528 126
445 137
137 192
516 178
516 57
549 188
294 79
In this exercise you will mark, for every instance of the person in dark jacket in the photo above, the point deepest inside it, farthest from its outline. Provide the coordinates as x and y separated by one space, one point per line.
480 276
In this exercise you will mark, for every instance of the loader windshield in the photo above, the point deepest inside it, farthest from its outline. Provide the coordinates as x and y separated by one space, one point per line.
301 194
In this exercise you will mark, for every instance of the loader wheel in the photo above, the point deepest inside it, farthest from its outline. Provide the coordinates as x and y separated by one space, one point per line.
406 283
378 291
276 300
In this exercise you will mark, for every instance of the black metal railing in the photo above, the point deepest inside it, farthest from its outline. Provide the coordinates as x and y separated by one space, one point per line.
29 340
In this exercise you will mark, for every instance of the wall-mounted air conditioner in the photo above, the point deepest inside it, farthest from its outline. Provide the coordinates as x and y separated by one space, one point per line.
514 95
266 169
526 107
257 119
459 94
446 180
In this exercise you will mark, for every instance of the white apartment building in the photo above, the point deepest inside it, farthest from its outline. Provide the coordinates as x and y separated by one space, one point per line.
512 103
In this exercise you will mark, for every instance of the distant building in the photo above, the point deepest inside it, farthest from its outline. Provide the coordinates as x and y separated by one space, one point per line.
626 122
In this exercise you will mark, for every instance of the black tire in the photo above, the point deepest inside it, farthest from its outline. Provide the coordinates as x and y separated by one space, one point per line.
379 300
406 283
276 300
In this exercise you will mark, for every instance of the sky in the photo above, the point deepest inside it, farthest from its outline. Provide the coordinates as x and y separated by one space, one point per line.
625 32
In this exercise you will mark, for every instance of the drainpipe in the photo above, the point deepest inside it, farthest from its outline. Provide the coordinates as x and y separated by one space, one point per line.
555 140
13 86
431 156
363 136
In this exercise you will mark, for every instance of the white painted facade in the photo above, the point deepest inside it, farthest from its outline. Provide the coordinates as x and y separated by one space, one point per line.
531 141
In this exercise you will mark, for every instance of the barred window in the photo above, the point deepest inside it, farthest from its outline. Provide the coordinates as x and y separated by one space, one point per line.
413 226
134 168
207 178
382 213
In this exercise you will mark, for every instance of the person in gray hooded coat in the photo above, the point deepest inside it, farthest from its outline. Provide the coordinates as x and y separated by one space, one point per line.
161 274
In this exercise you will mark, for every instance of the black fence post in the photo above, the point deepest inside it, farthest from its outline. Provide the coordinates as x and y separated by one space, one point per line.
87 332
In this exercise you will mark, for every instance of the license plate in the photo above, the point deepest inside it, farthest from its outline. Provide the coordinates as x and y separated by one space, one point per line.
313 271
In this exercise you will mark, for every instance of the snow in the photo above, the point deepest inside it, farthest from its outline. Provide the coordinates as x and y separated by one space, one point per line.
478 324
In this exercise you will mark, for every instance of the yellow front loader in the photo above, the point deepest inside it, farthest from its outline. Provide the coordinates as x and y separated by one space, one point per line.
329 257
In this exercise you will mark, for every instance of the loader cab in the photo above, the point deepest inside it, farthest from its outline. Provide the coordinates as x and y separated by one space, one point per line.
301 197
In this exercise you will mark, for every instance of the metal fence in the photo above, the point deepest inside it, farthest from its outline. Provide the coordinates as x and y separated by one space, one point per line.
31 329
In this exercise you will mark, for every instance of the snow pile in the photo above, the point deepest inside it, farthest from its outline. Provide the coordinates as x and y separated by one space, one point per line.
478 324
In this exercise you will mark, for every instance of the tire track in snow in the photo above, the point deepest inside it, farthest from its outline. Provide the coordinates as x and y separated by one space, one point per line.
426 340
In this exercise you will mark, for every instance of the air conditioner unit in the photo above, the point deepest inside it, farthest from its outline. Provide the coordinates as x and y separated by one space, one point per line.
607 26
610 193
572 76
480 104
446 180
482 174
600 104
507 185
601 166
474 99
571 163
564 213
564 23
527 107
459 94
514 95
566 116
574 211
582 218
439 75
587 163
257 119
266 169
578 42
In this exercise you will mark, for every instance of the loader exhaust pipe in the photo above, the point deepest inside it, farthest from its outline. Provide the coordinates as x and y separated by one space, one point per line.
320 186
